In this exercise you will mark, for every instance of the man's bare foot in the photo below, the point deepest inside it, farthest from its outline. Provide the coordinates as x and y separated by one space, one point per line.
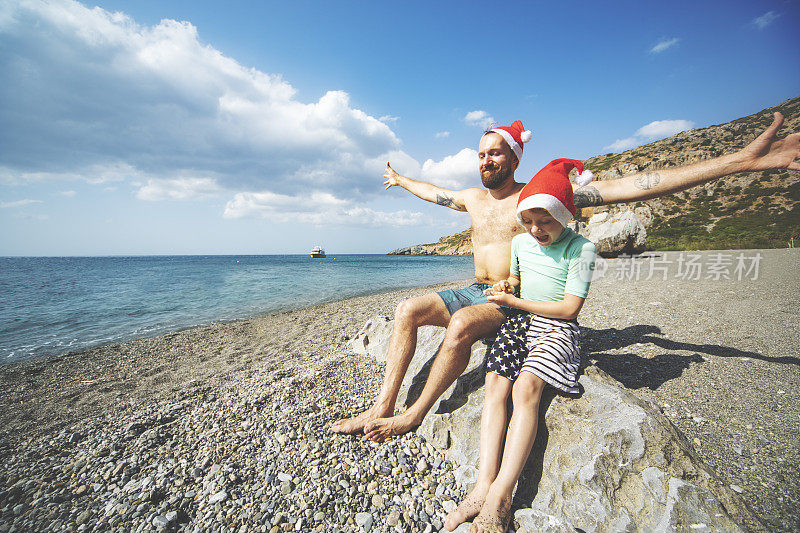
494 517
467 509
356 424
383 429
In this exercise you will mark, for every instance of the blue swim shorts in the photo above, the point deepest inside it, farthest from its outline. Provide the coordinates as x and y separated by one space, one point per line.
455 299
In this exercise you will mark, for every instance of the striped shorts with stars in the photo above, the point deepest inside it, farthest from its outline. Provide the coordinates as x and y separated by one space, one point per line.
547 347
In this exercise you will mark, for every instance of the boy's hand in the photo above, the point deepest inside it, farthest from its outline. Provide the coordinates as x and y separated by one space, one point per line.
502 298
502 286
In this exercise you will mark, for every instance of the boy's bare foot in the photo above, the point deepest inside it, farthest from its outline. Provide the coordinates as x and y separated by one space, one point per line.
356 424
493 518
383 429
467 509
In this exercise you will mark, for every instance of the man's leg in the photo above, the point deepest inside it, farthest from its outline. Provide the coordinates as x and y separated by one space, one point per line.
427 310
466 327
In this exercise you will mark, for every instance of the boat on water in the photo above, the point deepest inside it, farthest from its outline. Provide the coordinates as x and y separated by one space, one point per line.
318 251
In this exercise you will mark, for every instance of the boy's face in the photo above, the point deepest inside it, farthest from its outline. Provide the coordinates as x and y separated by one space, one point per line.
541 225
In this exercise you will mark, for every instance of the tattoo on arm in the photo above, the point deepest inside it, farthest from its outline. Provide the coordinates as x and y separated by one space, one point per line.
447 201
587 196
647 181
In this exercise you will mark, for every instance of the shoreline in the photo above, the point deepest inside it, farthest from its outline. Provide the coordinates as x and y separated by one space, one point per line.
74 371
78 341
718 358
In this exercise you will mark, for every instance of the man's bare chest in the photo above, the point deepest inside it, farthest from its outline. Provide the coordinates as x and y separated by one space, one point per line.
494 222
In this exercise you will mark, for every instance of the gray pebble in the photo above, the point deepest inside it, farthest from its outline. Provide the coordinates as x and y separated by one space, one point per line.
160 522
364 521
218 497
83 517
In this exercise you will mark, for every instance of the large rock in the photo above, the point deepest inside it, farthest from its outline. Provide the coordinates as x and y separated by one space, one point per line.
417 249
645 215
618 233
458 244
604 461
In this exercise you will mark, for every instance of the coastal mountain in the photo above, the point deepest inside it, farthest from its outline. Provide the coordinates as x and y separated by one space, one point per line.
458 244
748 210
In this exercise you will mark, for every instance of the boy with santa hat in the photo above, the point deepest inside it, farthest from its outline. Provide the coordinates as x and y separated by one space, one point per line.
538 344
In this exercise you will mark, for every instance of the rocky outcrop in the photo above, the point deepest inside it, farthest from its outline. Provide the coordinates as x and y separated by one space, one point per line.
419 249
621 233
604 461
704 215
458 244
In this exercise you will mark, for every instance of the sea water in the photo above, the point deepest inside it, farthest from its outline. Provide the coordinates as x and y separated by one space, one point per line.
54 305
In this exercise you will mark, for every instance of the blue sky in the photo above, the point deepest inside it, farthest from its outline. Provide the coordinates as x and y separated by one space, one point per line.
155 127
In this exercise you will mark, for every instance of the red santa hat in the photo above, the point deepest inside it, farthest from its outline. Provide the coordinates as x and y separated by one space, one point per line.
515 135
550 189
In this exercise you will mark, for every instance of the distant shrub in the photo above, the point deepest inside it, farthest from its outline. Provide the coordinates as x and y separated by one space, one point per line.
748 230
793 191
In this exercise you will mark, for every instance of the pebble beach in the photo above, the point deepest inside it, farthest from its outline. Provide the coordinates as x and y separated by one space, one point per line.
225 427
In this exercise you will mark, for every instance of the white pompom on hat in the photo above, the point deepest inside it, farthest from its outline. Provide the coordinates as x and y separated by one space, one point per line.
551 189
515 135
584 178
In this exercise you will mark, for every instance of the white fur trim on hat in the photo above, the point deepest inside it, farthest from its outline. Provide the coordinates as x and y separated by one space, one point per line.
584 178
546 201
511 142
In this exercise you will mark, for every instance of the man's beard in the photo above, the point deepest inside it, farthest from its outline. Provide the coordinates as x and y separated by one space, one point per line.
496 178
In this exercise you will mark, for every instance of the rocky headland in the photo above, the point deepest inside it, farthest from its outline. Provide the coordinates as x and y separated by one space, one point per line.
458 244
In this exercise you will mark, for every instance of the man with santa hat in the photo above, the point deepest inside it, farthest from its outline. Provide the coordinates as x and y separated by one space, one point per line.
466 313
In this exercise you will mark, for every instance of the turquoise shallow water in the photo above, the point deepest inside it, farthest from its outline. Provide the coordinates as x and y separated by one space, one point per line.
54 305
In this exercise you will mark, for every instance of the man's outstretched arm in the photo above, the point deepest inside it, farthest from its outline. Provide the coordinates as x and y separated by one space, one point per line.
767 151
426 191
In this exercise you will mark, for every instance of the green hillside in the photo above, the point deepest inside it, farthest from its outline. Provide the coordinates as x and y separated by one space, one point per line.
749 210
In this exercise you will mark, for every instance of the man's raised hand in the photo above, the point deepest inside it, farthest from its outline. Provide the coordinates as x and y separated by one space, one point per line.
391 176
767 151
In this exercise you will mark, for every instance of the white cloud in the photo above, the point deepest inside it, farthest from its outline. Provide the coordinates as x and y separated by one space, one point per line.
442 135
389 119
664 44
319 209
457 171
253 203
479 118
92 95
68 194
18 203
368 216
95 174
766 19
620 145
400 161
658 129
178 189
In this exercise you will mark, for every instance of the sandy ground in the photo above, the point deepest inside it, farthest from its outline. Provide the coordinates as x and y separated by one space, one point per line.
719 356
